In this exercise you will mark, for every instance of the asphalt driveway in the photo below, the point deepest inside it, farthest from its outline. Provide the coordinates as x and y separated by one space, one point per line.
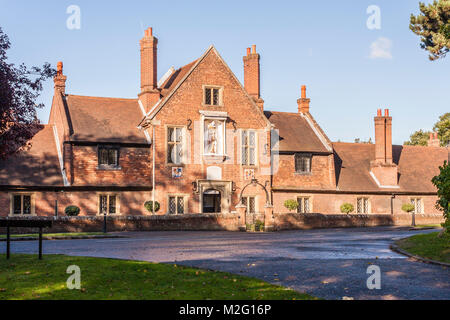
331 263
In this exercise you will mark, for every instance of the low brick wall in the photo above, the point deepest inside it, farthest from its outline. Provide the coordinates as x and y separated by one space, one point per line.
226 222
190 222
292 221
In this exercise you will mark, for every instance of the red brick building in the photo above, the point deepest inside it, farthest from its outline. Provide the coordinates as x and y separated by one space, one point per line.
194 140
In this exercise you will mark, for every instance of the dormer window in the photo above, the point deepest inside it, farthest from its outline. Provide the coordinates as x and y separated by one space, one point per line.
303 163
108 157
212 96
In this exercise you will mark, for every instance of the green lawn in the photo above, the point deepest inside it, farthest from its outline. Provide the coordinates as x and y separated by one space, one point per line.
426 226
428 246
54 235
25 277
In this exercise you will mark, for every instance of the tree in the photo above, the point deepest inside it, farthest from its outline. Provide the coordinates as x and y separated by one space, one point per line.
442 127
291 205
419 138
442 183
19 89
408 207
433 26
347 208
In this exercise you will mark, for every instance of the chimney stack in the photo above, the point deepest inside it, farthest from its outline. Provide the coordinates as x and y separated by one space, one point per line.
383 167
150 94
252 80
60 79
434 140
303 102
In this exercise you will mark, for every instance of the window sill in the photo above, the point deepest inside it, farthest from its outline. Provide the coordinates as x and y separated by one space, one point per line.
102 168
172 165
12 215
212 105
303 173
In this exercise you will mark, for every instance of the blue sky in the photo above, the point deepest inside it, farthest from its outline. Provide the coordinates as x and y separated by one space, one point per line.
323 44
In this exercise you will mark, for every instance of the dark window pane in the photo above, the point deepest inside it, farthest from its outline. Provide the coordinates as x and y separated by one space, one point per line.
216 97
300 205
103 204
172 205
17 205
208 96
180 205
302 163
171 135
26 205
112 205
252 205
171 154
103 156
112 157
306 205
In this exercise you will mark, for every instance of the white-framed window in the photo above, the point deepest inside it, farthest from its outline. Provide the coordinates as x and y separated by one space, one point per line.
177 205
362 205
418 205
212 95
303 163
250 203
214 137
175 145
304 205
108 204
22 204
249 144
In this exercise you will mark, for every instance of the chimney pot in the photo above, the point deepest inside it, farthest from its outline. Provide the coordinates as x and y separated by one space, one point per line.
379 114
303 92
254 48
249 51
386 112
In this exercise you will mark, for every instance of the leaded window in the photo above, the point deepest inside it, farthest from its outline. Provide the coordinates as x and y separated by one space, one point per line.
417 202
176 205
21 204
108 204
303 205
250 203
108 157
212 96
249 148
174 145
303 163
362 205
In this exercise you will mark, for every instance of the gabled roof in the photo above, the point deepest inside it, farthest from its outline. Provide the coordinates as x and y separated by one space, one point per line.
104 119
37 166
296 134
183 75
417 165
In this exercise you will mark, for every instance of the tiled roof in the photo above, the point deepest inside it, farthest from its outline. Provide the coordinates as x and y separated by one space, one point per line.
104 119
417 165
174 78
37 166
295 133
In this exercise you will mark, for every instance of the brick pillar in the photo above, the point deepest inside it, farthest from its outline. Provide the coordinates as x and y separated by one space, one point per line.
268 218
241 216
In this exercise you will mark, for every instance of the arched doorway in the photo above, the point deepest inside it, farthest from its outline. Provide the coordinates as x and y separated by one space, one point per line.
212 200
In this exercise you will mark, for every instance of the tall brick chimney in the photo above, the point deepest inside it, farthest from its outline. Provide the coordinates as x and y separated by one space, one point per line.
303 102
150 94
434 140
60 79
383 168
252 80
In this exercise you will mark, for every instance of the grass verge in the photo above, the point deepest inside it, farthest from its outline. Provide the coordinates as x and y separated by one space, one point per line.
24 277
428 246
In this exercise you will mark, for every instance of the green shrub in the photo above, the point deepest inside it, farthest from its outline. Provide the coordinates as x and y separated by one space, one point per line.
347 208
259 225
408 207
149 206
72 211
442 183
291 205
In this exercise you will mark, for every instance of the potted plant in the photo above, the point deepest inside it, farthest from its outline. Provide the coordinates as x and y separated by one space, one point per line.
408 208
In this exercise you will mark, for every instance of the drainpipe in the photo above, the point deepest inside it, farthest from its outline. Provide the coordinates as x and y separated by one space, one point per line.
392 203
153 170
